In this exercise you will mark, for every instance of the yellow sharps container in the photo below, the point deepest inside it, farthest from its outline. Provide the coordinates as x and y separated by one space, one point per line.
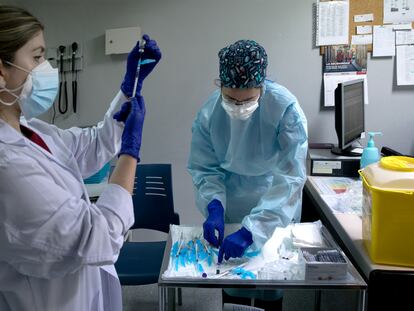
388 210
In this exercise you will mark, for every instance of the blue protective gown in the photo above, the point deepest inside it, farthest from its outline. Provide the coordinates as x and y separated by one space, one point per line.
256 167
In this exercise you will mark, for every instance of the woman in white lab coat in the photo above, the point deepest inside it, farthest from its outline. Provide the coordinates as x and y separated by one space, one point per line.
57 249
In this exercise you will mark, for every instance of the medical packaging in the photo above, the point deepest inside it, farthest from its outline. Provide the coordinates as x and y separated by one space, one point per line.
324 263
388 210
192 257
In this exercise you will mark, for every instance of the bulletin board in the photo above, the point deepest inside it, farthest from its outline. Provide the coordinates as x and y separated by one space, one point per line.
358 7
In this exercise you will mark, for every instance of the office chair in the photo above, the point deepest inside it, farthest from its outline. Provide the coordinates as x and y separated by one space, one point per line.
139 263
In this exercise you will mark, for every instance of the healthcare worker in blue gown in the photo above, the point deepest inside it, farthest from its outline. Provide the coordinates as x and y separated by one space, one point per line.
57 249
248 151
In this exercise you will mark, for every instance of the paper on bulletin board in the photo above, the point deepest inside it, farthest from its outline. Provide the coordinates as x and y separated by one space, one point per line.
345 58
398 11
404 37
361 39
383 41
402 26
332 23
361 18
405 65
364 30
331 81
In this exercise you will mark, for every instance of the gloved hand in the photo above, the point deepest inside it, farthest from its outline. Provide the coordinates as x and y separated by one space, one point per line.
215 221
235 244
151 51
132 113
123 113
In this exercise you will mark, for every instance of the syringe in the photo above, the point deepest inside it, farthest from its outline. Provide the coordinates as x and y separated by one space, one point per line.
140 52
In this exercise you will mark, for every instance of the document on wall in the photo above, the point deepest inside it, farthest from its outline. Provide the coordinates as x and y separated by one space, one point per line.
383 41
404 37
345 58
332 23
364 18
364 30
398 11
331 81
405 65
408 26
361 39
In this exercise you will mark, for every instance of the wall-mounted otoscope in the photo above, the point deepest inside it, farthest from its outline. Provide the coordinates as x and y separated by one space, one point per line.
62 103
74 77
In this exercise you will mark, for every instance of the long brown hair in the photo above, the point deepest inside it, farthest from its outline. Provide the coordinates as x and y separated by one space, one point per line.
17 27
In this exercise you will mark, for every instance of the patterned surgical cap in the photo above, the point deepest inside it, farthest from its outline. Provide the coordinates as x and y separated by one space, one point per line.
242 65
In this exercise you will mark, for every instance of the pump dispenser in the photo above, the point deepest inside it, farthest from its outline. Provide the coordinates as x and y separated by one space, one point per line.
370 154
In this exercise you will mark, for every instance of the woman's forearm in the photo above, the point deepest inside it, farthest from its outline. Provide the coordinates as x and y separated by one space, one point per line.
124 172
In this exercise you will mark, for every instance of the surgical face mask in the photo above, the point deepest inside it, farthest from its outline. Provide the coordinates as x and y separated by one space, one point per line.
241 111
38 91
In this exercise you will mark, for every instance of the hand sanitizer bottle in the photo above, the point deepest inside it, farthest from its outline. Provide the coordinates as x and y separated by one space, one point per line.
370 154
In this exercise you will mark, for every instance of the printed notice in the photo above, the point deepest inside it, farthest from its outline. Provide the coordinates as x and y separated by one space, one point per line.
332 23
331 81
363 18
361 39
398 11
405 65
404 37
383 41
364 30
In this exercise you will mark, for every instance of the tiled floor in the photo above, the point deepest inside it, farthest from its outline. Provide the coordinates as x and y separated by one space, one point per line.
145 298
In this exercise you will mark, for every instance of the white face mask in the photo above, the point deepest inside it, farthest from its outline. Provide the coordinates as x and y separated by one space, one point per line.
240 112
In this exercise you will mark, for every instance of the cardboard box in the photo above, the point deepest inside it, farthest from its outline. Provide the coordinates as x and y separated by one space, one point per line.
324 263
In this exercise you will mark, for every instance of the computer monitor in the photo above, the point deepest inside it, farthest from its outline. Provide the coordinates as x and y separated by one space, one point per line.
349 116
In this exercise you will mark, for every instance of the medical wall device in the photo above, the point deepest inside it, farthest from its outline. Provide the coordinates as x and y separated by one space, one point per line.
68 58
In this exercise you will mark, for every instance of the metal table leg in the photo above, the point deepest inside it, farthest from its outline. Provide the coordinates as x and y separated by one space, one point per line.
179 296
362 300
161 298
166 298
317 306
171 298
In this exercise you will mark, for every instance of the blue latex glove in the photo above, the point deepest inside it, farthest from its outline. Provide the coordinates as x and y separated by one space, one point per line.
122 114
132 113
235 244
215 221
151 51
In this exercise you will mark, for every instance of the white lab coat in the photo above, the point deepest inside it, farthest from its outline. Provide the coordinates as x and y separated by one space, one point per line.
56 247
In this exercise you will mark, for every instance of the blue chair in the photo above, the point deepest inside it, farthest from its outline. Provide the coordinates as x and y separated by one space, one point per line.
139 263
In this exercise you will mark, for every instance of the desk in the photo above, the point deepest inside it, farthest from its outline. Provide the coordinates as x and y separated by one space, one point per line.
389 287
353 282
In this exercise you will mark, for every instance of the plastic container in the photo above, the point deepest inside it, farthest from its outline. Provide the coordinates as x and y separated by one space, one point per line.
388 210
370 153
